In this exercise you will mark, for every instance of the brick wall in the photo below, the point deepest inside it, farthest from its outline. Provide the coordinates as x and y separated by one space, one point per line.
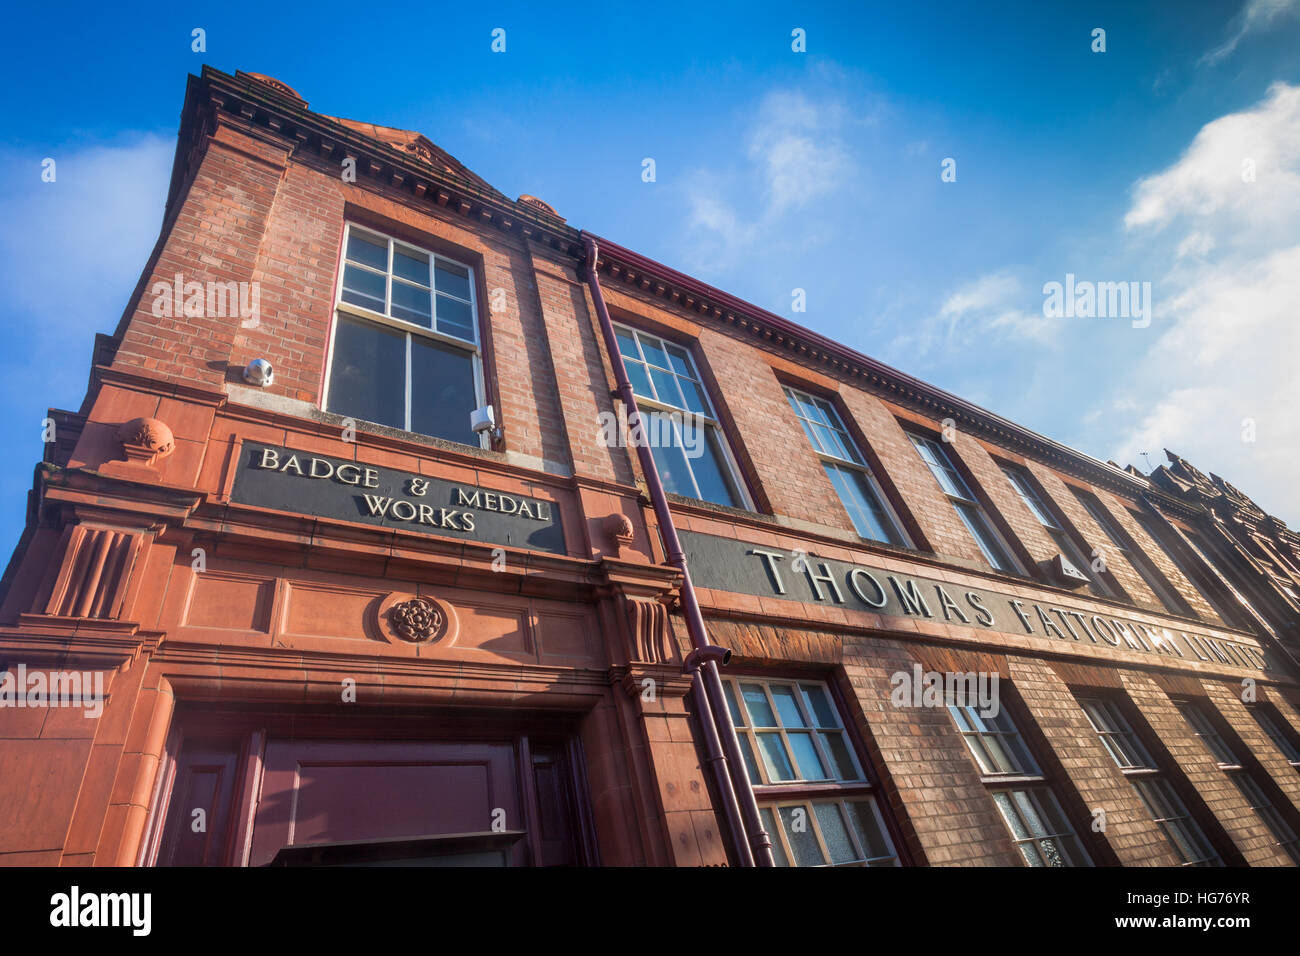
1089 769
768 437
216 236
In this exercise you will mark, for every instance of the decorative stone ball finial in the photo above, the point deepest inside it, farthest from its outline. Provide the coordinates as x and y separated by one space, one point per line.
146 440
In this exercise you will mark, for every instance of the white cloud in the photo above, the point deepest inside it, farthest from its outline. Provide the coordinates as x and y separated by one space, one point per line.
1255 17
996 306
70 254
796 144
74 247
1196 244
1240 169
796 155
1228 309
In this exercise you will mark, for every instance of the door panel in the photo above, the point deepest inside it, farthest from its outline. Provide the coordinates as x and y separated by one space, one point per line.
318 791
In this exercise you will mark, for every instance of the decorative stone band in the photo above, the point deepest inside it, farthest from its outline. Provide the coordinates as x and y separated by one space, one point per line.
725 564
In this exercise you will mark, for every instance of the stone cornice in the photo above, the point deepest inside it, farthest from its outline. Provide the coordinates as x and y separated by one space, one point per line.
215 96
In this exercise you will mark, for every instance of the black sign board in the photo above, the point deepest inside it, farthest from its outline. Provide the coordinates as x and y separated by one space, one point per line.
285 479
726 564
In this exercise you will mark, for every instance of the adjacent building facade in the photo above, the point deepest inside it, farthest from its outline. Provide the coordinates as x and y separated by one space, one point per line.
327 607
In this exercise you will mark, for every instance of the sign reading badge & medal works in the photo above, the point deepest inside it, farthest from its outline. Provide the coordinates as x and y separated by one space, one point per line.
286 479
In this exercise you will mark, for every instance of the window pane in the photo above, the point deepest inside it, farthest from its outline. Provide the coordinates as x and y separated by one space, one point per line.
442 391
666 388
411 303
626 344
832 442
668 455
1018 828
370 252
636 374
1030 853
411 264
835 833
805 755
368 373
860 501
775 758
820 706
694 395
808 409
756 703
867 827
799 829
984 537
654 354
455 318
729 691
681 362
769 824
840 757
451 278
751 764
1029 813
709 467
363 288
786 706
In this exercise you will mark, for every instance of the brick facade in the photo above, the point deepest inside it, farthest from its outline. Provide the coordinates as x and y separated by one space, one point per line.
146 563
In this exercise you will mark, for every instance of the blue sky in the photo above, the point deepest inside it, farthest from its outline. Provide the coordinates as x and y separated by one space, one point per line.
775 171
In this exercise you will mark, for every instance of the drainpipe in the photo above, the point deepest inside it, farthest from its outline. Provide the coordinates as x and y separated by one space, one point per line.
722 779
703 661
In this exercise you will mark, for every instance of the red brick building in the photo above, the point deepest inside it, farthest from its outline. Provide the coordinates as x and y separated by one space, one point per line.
333 621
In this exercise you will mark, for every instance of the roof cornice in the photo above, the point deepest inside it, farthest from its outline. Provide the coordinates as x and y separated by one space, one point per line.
252 102
805 346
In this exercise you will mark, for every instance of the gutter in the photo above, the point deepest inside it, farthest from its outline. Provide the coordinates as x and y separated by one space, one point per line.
750 842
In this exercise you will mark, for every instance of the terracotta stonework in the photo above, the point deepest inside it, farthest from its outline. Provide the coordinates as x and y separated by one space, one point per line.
343 657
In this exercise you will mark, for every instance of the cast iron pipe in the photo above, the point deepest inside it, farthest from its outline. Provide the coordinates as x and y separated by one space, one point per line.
759 843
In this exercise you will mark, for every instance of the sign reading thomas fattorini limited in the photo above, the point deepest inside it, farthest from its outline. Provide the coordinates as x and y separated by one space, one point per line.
287 479
725 564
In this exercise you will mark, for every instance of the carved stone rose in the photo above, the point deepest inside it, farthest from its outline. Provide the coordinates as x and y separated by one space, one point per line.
416 620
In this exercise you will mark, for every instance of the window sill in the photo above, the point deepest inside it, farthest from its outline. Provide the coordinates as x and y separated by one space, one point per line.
730 510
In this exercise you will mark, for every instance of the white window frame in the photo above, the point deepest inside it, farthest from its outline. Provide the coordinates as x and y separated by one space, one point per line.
803 791
708 421
1108 720
409 329
981 736
1275 734
1060 537
967 499
782 848
1156 582
1068 844
749 732
1284 838
856 464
